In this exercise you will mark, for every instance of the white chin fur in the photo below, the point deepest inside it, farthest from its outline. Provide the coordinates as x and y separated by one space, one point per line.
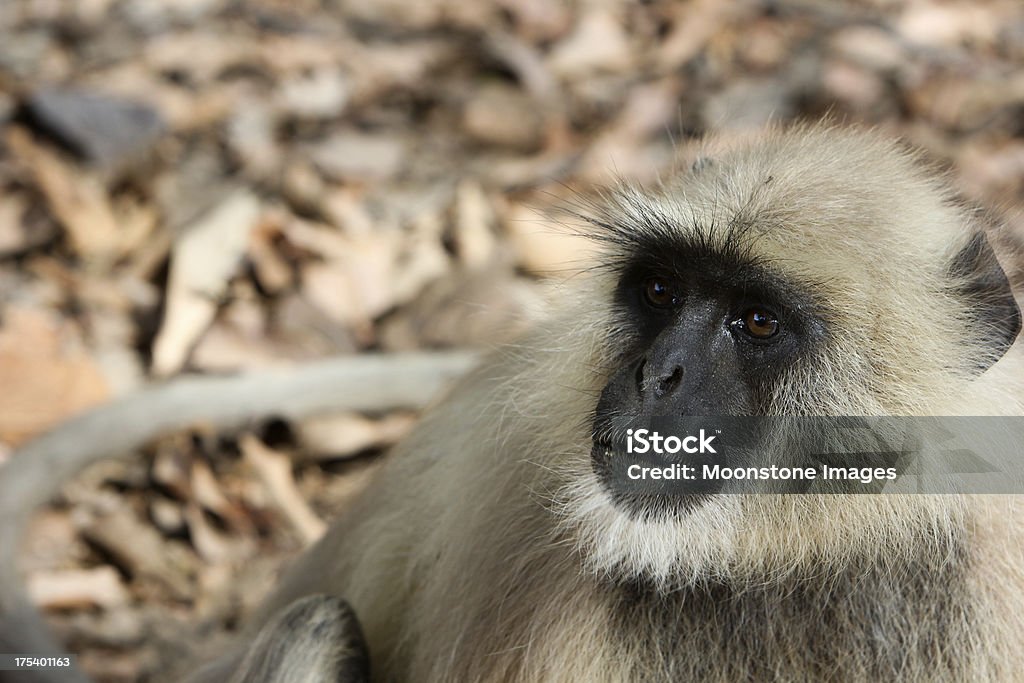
737 537
615 543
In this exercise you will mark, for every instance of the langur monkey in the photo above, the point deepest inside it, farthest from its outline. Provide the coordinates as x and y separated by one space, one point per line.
816 271
813 271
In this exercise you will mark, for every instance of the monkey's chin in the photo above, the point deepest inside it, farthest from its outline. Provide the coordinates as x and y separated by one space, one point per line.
670 541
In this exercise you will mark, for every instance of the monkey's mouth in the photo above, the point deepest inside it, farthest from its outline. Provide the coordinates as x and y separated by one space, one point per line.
634 491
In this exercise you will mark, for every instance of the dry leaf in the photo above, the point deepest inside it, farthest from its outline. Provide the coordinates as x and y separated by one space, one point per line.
345 209
482 308
597 44
44 382
544 247
77 588
334 436
167 515
13 236
139 550
172 466
202 262
77 198
51 542
212 545
207 493
696 23
475 240
275 471
273 272
503 115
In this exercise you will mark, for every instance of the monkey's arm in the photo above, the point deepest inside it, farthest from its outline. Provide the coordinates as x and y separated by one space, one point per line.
38 470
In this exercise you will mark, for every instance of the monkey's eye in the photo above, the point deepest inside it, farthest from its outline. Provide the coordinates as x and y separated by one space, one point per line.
759 323
658 293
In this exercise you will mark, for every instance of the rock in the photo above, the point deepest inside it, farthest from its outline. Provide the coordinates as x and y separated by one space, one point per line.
870 47
321 94
104 130
948 25
858 88
250 135
353 155
24 49
749 105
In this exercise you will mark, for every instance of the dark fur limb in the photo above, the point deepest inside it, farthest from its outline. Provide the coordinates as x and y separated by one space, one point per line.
37 470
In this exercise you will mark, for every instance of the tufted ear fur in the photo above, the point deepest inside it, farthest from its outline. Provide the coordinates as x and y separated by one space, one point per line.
980 279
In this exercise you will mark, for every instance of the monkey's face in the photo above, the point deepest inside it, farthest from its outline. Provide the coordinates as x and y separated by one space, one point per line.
800 278
714 334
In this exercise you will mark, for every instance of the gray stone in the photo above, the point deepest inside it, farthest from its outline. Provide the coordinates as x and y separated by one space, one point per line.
103 130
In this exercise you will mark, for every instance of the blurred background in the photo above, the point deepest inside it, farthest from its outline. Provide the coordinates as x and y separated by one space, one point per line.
211 186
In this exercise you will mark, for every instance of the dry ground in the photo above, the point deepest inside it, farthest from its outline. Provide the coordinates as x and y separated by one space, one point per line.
209 186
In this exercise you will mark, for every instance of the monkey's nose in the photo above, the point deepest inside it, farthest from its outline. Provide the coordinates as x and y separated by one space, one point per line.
661 382
667 383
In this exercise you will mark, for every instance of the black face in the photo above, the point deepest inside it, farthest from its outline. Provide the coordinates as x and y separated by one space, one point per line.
713 336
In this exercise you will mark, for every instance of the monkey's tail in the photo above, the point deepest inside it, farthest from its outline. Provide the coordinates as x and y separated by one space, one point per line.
36 471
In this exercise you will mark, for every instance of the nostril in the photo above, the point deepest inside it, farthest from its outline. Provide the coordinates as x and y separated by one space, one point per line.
640 375
667 384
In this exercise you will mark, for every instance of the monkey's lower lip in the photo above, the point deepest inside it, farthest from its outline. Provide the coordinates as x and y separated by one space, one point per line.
603 455
607 457
603 449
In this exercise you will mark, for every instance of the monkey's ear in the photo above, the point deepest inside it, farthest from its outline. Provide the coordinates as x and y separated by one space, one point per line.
980 279
316 638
